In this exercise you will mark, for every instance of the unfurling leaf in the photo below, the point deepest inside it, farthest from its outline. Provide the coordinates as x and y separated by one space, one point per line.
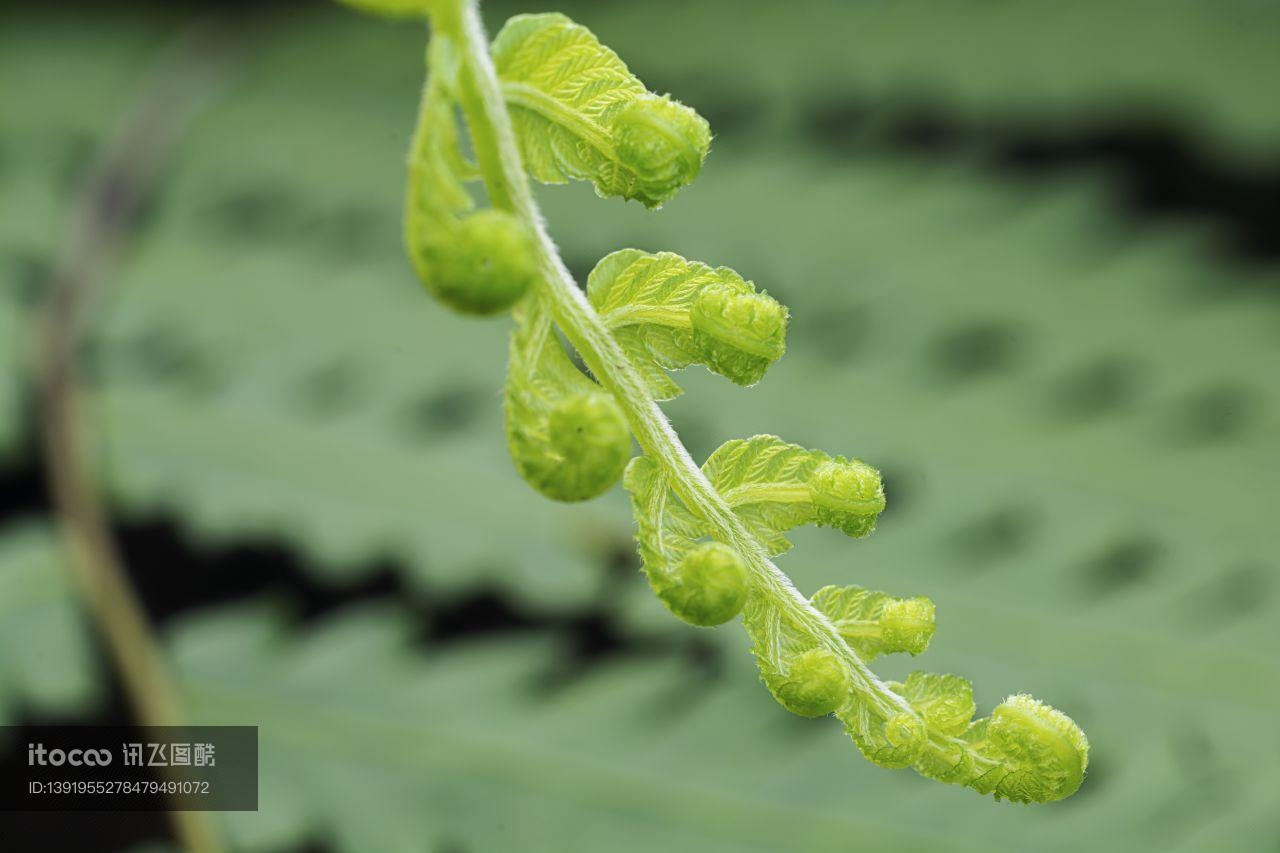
774 487
578 112
567 435
476 262
702 583
669 313
944 702
480 265
875 623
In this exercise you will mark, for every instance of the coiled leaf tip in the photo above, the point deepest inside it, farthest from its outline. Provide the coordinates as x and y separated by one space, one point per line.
875 623
708 587
1046 751
738 332
668 313
482 265
663 143
849 496
811 684
567 435
578 112
589 434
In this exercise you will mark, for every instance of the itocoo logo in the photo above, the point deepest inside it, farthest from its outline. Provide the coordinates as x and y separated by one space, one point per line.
37 754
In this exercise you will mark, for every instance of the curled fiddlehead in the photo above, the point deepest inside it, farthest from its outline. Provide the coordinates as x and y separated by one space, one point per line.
566 434
549 101
475 261
668 313
580 113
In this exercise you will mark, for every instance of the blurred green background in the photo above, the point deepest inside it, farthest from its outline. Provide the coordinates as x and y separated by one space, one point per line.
1031 254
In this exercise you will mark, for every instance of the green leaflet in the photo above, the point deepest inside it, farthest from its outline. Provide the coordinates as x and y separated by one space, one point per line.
805 679
943 705
1026 751
945 702
567 436
875 623
668 313
436 195
580 113
774 486
702 583
475 262
892 740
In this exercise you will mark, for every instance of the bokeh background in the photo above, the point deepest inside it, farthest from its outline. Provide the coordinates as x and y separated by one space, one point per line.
1031 253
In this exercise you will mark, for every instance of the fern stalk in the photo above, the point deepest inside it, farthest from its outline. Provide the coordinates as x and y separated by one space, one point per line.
499 159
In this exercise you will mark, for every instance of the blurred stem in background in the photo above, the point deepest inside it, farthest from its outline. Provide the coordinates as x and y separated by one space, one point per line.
179 87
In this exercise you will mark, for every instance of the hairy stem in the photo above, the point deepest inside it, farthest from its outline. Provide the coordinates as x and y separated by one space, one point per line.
499 158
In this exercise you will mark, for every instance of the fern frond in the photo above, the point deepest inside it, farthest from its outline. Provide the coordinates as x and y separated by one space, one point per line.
805 677
875 623
944 702
477 262
567 436
668 313
578 112
554 101
703 583
774 487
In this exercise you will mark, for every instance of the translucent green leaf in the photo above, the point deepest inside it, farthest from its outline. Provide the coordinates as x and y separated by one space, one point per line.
1026 751
807 680
894 741
701 583
875 623
669 313
566 434
775 486
475 262
944 701
436 195
580 113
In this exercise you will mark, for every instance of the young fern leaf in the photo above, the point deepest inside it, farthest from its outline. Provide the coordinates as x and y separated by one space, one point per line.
567 436
774 487
702 583
944 702
875 623
555 102
806 678
578 112
1026 752
668 313
476 262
